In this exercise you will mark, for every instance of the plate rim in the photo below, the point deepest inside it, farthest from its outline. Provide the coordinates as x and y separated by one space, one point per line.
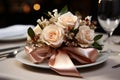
18 57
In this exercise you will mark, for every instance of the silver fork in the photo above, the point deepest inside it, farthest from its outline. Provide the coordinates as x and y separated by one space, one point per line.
10 54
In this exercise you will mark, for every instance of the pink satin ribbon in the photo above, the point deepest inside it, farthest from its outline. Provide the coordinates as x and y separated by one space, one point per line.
60 60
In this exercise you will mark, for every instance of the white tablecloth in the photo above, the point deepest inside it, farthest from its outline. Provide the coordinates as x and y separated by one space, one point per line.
13 69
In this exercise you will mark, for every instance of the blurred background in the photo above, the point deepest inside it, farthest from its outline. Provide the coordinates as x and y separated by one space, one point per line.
28 11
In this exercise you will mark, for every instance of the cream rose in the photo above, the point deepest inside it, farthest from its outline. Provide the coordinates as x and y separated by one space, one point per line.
85 36
67 20
52 35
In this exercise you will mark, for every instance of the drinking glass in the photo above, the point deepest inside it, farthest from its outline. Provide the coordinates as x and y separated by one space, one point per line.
109 17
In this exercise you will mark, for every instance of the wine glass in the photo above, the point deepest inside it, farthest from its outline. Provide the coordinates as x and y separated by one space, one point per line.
109 17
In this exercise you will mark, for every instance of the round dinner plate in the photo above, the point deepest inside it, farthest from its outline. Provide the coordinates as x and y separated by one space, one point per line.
24 58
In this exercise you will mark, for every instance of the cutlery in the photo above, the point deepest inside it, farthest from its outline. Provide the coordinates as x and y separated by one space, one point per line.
116 66
10 48
10 54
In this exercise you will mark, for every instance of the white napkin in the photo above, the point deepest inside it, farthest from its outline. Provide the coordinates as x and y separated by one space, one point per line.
14 31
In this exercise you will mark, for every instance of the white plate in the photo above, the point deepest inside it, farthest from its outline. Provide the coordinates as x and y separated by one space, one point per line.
23 58
14 32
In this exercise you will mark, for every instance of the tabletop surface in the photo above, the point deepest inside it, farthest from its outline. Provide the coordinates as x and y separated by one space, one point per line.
11 68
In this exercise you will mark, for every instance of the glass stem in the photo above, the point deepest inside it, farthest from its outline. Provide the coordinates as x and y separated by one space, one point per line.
109 42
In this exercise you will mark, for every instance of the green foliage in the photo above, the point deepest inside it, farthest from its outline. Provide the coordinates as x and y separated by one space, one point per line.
64 10
96 44
31 33
97 37
76 31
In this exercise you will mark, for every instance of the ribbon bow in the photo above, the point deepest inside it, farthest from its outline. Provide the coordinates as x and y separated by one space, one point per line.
60 60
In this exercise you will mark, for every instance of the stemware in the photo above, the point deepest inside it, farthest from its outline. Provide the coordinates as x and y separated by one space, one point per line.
109 17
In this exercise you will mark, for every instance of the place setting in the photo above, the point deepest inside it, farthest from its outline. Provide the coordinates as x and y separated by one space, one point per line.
56 42
64 44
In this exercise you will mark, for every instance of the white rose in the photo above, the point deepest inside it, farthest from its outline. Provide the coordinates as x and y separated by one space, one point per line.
85 36
52 35
67 20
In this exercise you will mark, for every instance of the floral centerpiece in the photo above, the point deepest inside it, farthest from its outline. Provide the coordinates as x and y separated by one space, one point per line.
61 39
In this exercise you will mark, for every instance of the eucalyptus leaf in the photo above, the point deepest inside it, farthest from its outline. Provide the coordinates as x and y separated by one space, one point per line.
64 10
76 31
31 33
97 46
97 37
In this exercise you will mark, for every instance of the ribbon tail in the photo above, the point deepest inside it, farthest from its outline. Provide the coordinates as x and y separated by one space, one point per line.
62 64
37 55
83 55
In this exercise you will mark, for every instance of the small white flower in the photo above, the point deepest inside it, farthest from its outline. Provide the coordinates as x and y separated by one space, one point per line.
55 10
50 14
38 21
54 16
88 17
43 22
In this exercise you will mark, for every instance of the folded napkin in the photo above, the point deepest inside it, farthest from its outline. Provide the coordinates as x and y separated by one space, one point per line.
13 31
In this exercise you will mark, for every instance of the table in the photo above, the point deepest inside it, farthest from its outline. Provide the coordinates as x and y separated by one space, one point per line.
14 69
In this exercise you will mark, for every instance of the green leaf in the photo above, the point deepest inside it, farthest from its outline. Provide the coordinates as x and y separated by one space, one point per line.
46 14
97 37
31 33
76 31
97 46
64 10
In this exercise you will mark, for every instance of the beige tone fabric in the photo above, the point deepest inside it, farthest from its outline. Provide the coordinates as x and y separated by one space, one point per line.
12 68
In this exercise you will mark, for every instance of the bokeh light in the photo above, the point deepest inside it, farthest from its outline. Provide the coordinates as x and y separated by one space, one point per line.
36 7
26 8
